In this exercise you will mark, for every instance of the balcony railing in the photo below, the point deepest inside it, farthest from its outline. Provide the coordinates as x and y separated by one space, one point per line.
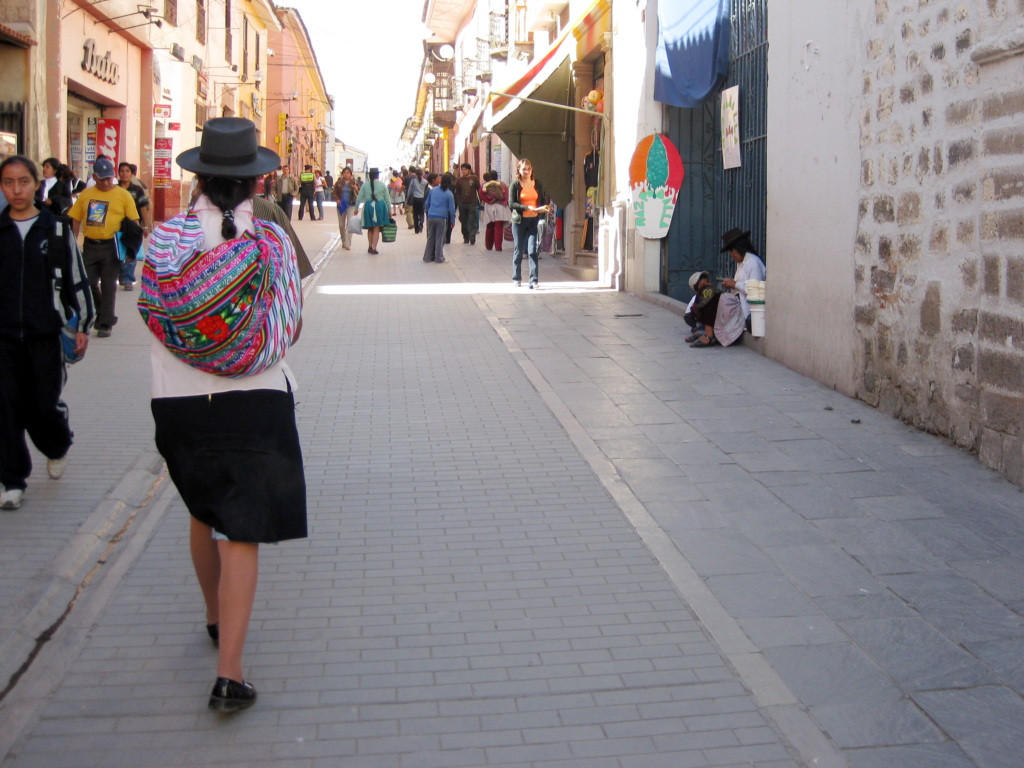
499 35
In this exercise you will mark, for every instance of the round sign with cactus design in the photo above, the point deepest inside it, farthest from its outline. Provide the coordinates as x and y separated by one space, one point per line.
655 175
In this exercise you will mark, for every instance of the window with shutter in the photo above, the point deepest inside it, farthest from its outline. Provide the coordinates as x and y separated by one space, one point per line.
201 21
227 31
171 12
245 48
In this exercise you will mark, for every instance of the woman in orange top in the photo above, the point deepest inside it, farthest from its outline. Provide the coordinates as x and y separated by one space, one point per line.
524 198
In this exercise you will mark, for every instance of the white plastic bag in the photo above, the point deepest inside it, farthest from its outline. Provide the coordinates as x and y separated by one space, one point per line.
355 225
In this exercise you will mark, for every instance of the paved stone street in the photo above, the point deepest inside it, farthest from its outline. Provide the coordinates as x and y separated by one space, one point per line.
544 532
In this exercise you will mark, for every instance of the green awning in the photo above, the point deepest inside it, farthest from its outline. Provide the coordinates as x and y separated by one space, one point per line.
543 135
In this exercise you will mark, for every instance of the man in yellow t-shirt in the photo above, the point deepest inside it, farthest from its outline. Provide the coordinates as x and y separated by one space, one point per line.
98 212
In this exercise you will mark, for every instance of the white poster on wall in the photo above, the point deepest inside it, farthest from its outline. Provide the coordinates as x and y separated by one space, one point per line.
731 127
496 159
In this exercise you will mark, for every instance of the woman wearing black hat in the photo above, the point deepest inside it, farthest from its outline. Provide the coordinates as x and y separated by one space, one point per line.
222 296
749 266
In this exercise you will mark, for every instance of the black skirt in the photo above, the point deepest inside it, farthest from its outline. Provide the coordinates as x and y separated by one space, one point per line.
236 461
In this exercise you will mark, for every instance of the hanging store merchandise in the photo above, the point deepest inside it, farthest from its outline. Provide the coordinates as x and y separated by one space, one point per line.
655 175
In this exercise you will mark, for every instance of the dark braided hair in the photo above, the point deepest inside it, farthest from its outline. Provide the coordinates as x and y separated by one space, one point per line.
228 194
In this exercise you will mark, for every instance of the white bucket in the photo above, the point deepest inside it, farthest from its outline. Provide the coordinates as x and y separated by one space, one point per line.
757 320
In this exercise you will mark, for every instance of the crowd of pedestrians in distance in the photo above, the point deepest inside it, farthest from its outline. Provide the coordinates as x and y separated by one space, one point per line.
487 204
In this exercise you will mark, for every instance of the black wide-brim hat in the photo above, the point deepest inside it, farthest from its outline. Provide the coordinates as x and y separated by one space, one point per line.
229 149
730 238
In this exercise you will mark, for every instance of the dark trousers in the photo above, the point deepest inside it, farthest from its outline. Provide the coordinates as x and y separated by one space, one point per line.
526 243
469 217
31 379
494 234
103 268
417 213
286 205
306 198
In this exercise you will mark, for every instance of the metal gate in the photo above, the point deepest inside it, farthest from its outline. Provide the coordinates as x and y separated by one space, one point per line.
12 120
713 200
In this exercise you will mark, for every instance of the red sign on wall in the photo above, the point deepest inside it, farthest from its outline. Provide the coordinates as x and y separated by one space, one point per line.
108 138
162 150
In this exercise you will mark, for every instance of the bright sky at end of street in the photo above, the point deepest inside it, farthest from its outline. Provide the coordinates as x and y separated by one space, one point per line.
370 55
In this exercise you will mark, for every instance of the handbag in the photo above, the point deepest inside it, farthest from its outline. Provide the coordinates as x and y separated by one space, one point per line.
389 232
355 225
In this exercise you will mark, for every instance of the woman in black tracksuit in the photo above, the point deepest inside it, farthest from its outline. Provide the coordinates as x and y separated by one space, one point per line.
34 248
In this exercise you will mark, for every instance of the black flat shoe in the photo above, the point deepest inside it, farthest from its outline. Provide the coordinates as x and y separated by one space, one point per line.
213 630
231 696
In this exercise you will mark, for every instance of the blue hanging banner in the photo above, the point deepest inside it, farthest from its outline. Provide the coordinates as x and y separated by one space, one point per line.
692 60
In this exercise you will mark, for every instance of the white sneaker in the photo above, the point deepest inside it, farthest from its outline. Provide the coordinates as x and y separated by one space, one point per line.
55 467
11 498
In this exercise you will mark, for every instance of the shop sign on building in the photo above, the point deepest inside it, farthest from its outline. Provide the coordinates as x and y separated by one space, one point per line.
162 151
108 138
102 66
655 175
161 110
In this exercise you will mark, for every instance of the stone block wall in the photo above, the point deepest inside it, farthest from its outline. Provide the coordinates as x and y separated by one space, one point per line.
999 338
940 245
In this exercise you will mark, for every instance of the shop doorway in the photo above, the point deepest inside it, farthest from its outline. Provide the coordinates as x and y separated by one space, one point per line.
80 152
712 199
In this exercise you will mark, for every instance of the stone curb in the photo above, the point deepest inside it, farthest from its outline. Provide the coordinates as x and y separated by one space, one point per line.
69 570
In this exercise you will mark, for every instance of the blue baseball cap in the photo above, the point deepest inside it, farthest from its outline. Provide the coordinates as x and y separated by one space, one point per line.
103 168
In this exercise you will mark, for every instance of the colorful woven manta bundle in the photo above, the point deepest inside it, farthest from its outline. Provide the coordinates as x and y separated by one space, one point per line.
230 311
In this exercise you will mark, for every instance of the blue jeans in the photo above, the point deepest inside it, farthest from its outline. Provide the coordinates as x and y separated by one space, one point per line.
320 203
524 238
127 274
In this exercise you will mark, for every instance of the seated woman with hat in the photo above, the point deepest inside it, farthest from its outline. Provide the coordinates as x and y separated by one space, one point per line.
732 311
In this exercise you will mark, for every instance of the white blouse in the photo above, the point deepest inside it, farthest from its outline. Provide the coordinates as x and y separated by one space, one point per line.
752 268
176 378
